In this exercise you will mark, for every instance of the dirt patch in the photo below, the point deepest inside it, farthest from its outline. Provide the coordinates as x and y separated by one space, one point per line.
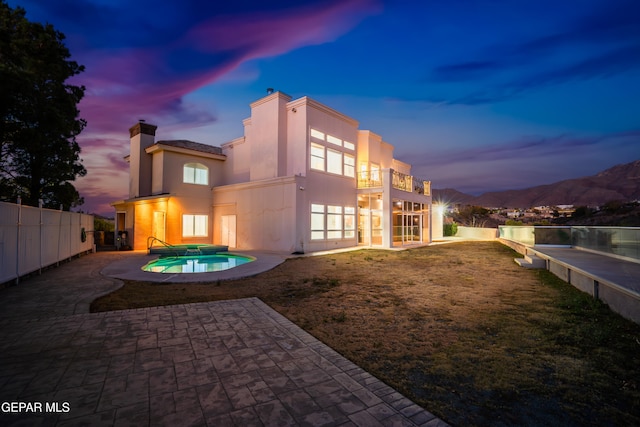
459 328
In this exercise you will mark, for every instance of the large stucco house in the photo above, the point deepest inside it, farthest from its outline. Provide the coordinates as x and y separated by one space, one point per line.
303 178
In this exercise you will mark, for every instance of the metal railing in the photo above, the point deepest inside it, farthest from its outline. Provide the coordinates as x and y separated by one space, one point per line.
399 181
618 241
369 179
151 240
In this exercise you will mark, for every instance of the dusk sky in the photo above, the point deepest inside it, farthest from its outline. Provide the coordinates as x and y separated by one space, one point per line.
478 96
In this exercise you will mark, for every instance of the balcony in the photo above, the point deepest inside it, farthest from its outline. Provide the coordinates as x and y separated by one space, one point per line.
369 179
399 181
410 183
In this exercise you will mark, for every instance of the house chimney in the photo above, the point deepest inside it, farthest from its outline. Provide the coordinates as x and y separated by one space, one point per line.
142 136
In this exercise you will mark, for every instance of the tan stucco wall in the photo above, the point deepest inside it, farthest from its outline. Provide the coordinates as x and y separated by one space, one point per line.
265 213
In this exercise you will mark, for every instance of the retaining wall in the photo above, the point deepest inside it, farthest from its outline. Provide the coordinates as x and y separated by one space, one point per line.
623 301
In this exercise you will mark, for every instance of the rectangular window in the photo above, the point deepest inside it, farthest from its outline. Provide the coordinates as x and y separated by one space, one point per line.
194 225
317 222
349 222
334 222
317 157
349 165
317 134
349 145
375 172
334 140
334 161
195 173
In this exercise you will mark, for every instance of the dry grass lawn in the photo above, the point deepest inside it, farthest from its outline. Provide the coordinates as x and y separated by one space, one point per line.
458 328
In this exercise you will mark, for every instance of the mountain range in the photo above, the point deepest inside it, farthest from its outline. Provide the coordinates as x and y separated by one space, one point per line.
619 183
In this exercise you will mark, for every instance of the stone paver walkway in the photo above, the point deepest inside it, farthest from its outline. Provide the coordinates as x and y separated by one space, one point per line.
207 364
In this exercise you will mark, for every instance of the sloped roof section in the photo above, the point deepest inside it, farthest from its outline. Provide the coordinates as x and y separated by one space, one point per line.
190 145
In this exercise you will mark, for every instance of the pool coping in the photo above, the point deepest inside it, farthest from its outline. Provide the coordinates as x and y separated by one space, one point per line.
130 268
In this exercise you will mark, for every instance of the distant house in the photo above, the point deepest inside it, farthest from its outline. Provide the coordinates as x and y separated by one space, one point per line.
303 178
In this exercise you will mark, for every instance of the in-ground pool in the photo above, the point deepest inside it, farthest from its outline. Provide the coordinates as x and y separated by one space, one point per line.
196 263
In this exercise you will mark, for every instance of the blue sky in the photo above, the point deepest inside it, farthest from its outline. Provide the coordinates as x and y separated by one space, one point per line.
481 95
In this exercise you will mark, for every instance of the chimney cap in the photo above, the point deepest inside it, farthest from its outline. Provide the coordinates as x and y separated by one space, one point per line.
269 90
142 128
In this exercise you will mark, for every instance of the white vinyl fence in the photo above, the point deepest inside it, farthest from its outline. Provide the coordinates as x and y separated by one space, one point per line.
34 238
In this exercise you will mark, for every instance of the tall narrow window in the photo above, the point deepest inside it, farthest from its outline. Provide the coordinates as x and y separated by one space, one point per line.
317 157
334 161
194 225
349 222
334 222
375 173
349 165
195 173
317 222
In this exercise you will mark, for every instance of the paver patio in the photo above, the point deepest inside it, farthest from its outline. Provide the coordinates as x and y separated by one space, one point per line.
206 364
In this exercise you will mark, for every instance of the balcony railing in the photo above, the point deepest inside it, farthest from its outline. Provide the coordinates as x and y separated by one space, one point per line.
619 241
368 179
399 181
410 184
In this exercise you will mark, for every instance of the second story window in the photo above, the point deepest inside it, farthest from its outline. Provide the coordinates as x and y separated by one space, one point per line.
349 165
317 157
195 173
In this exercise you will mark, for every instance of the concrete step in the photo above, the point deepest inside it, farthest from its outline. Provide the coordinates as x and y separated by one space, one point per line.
531 261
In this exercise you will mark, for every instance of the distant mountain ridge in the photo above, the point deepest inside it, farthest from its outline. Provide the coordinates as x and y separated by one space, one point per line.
620 182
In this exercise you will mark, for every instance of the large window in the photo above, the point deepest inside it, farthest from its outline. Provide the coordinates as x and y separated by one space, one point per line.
332 222
334 161
194 225
195 173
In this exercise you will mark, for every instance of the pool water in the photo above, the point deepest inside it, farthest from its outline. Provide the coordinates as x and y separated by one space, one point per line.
196 263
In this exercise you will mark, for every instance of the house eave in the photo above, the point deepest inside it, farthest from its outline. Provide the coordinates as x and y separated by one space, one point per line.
158 147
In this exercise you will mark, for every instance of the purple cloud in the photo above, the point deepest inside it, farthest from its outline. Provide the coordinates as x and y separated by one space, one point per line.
126 83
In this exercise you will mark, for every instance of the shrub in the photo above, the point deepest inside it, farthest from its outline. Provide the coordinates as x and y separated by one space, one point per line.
450 229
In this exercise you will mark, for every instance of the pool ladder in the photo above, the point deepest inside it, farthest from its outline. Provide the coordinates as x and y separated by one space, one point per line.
151 240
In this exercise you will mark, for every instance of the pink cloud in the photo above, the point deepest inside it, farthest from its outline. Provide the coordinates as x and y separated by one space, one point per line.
126 84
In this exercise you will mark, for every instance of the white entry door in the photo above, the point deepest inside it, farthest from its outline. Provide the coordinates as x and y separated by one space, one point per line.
228 230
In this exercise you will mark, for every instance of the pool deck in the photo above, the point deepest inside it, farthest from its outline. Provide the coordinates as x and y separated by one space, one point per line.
225 363
130 268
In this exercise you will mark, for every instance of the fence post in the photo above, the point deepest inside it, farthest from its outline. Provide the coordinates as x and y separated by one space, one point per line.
59 234
19 203
41 231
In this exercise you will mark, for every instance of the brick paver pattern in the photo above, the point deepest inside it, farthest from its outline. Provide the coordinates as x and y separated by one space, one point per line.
207 364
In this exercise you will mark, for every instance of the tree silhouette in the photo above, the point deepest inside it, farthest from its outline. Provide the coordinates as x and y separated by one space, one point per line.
39 155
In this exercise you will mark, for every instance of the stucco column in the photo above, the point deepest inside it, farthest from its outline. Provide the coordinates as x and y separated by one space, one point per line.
387 209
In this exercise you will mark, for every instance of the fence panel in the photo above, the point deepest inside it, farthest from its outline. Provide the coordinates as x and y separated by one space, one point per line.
33 238
8 241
